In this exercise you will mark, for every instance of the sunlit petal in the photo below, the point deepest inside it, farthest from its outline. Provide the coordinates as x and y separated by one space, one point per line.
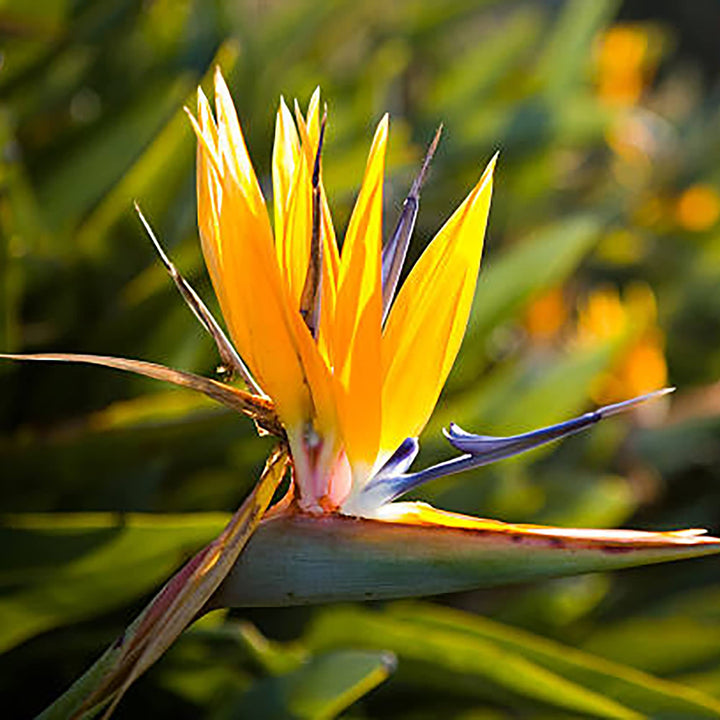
286 150
358 314
427 322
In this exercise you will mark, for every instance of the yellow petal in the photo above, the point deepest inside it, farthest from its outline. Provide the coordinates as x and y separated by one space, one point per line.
420 513
313 118
286 150
427 321
310 133
259 320
231 144
294 247
208 174
358 314
294 250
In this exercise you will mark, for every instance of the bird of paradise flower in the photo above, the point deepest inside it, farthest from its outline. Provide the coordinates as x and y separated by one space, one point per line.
344 370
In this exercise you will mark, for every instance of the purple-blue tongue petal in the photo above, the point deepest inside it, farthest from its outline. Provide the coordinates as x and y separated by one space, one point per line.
497 448
485 449
401 459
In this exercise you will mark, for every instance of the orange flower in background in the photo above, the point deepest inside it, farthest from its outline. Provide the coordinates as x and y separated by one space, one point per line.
626 57
698 208
546 315
640 366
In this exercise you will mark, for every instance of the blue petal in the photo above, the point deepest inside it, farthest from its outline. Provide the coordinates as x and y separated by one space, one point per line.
401 459
485 449
492 448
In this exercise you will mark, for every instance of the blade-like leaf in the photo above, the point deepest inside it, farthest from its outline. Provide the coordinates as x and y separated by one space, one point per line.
639 690
295 558
59 569
319 690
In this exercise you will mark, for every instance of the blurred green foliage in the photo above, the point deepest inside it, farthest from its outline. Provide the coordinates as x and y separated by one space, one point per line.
606 179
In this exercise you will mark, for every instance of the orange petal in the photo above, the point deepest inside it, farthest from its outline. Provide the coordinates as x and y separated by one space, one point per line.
294 249
260 319
358 314
238 247
309 133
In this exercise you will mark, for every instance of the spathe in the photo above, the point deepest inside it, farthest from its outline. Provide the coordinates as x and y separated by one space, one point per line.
296 558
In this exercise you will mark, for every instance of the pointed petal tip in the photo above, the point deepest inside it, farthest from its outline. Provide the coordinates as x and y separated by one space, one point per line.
452 430
381 132
490 169
299 117
201 97
218 76
381 128
615 408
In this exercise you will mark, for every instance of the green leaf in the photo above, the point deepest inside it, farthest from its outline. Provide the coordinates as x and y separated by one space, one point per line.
447 652
566 54
680 635
515 660
319 690
59 569
106 156
158 171
652 696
